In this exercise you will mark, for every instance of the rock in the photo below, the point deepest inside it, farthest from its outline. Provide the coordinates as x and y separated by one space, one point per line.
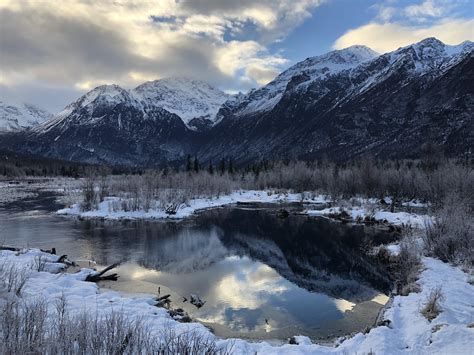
282 213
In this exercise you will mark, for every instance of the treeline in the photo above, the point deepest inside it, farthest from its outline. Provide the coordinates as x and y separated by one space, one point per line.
367 177
427 179
14 165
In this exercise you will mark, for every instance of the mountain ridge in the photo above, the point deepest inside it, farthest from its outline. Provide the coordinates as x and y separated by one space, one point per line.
342 104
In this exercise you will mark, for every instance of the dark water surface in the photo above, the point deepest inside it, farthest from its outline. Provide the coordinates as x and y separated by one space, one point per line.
261 276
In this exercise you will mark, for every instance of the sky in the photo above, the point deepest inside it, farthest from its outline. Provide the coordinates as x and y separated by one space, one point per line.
51 52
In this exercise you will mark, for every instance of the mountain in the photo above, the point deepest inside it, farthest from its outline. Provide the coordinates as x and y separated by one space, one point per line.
109 125
340 105
195 102
388 106
146 126
16 117
299 76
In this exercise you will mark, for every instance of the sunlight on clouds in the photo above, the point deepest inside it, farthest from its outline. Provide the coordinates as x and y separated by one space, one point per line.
344 305
390 36
251 291
130 45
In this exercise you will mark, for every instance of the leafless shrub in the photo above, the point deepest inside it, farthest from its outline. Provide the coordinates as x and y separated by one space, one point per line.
27 327
89 195
432 307
190 342
39 263
23 327
449 236
13 277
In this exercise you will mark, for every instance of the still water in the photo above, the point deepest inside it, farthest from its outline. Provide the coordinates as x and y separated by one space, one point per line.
262 277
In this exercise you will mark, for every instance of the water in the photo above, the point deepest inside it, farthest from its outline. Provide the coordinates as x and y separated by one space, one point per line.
262 277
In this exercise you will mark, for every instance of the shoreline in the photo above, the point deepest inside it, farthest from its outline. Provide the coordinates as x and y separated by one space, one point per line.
402 314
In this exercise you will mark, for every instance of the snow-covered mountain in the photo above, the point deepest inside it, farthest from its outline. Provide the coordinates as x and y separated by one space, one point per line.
299 76
192 100
339 105
388 105
17 117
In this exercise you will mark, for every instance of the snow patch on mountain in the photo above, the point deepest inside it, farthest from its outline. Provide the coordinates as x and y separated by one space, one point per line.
187 98
103 98
19 116
307 71
427 57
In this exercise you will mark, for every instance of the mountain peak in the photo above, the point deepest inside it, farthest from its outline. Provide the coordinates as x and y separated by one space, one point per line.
186 97
18 116
431 42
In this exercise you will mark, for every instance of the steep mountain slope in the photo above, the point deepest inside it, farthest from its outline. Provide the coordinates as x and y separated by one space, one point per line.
146 126
16 117
299 77
108 125
388 106
339 105
196 102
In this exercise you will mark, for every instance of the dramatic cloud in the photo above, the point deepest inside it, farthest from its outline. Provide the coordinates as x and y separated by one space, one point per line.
394 27
390 36
84 43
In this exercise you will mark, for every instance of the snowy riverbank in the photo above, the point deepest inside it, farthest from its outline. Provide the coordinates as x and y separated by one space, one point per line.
107 208
407 332
357 209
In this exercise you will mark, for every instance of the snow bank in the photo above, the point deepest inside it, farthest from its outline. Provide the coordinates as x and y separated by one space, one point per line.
408 331
105 209
395 218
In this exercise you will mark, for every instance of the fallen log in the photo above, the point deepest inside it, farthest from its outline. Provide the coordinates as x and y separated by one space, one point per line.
100 275
64 260
4 247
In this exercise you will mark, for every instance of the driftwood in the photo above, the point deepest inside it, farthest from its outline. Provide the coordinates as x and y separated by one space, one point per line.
163 301
96 277
64 260
49 251
4 247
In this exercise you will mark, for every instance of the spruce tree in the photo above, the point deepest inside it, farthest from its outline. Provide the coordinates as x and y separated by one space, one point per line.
196 164
222 166
188 163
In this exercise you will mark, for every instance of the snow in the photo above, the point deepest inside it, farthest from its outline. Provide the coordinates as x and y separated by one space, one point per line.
18 116
319 67
105 209
407 333
184 97
395 218
427 56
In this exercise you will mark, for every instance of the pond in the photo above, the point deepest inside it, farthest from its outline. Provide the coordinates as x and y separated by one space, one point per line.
262 277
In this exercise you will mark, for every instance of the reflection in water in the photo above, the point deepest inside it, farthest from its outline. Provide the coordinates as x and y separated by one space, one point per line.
261 277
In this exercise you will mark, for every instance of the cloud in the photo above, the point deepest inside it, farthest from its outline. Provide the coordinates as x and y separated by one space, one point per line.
390 36
84 43
427 8
397 24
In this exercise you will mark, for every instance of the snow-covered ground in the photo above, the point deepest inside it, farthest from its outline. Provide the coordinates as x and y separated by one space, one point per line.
409 332
395 218
106 208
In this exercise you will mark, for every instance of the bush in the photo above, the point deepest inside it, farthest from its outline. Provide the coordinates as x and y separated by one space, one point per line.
449 236
432 307
27 327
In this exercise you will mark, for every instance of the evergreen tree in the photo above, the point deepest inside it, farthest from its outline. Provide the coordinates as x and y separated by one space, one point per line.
231 167
188 163
196 164
222 166
210 169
